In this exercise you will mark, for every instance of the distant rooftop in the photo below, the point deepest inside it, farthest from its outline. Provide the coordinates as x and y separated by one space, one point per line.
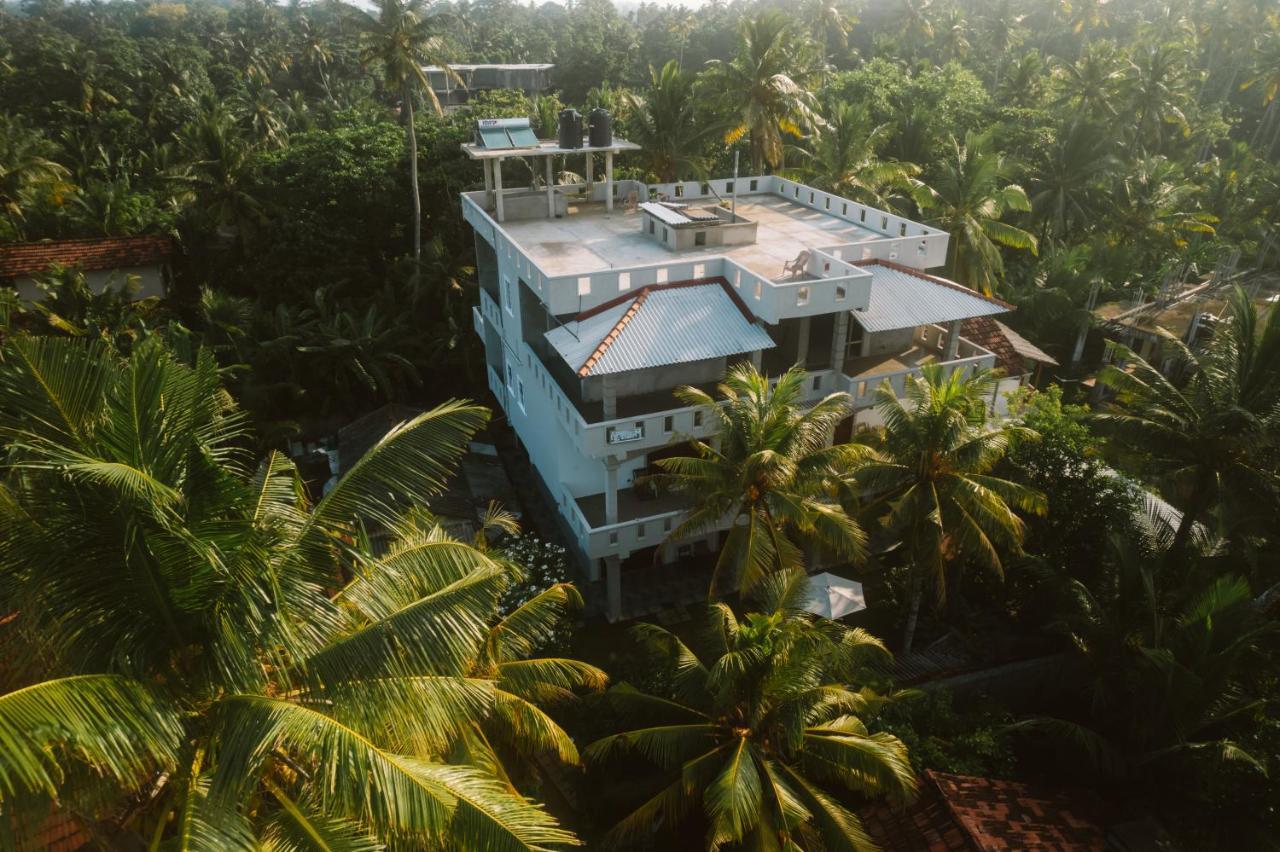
659 325
591 239
22 259
495 66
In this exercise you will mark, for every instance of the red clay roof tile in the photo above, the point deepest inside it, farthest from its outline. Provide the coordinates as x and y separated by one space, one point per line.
22 259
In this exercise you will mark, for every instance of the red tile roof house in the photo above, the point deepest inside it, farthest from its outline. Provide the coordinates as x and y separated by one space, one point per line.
101 261
964 813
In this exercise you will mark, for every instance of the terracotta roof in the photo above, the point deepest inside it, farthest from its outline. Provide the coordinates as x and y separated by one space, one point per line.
986 332
59 832
964 812
21 259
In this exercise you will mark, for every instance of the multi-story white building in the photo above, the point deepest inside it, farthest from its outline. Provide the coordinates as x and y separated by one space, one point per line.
598 299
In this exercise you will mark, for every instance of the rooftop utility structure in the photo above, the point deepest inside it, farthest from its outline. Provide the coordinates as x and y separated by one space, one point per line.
500 139
530 78
597 300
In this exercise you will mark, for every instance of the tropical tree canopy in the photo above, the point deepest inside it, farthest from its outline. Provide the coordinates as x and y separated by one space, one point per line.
761 735
771 470
180 597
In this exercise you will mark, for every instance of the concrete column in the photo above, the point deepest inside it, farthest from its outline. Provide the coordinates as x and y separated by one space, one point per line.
593 570
591 162
802 342
611 490
839 339
497 188
757 358
608 181
953 340
608 397
613 587
488 182
866 345
551 190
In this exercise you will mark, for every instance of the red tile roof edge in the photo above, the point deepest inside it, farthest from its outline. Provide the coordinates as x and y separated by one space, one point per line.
985 332
640 296
609 338
21 259
888 264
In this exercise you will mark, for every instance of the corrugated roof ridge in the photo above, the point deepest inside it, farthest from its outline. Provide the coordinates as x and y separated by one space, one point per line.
924 276
640 298
670 285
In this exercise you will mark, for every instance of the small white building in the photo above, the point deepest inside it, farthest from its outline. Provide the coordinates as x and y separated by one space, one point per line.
103 261
598 299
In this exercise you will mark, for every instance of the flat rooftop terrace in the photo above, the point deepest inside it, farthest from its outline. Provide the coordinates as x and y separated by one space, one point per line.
590 239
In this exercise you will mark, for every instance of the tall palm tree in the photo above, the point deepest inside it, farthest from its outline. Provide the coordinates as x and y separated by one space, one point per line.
27 171
1156 210
1095 84
1201 436
968 198
758 730
829 23
844 158
215 169
769 469
931 481
1067 184
765 88
402 38
203 690
669 125
1159 90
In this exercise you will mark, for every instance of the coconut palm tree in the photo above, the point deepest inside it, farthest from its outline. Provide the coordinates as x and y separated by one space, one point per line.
1159 90
769 469
27 171
401 38
1095 84
844 158
204 690
968 198
215 171
931 481
1067 184
1201 435
667 122
758 734
765 89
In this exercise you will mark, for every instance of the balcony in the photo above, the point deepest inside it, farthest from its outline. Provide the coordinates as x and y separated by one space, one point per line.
633 505
864 375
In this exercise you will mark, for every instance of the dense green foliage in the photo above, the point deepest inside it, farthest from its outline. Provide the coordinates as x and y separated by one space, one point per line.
200 654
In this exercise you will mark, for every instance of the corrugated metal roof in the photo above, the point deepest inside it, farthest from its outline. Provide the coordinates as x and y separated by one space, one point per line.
903 299
660 326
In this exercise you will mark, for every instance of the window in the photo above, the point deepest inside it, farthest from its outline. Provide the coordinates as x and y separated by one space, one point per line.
584 285
802 296
697 419
700 238
706 189
797 192
827 202
844 209
902 229
817 382
862 388
520 392
759 289
668 424
728 186
811 198
640 531
666 525
613 538
508 295
922 248
664 233
651 226
840 293
753 185
679 190
884 223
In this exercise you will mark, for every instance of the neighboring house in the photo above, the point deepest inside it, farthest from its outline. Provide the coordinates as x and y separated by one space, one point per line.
964 813
592 312
101 260
530 78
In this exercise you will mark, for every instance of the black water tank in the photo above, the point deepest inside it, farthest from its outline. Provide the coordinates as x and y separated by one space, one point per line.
570 128
601 124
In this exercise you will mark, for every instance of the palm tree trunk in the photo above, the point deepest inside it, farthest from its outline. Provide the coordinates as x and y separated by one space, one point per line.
413 179
916 593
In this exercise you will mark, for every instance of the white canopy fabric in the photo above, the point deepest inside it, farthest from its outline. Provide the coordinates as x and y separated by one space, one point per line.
834 597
